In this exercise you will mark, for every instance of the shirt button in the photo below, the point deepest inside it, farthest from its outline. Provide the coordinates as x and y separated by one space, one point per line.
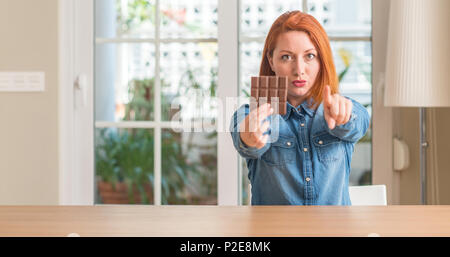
308 179
288 143
320 142
305 149
303 124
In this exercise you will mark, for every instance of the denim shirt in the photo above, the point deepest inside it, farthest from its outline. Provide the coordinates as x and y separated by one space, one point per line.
304 162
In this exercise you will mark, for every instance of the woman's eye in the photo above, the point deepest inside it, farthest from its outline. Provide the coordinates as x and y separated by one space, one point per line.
311 56
286 57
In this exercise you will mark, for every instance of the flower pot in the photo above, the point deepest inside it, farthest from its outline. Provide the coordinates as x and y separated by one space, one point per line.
119 193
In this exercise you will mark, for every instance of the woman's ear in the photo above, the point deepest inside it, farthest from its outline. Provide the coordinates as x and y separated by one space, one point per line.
270 59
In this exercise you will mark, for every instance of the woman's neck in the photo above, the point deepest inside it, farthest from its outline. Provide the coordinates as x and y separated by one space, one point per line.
295 101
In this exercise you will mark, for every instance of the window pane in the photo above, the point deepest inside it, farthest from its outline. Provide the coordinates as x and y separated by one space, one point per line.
124 18
256 16
124 82
124 166
343 17
189 71
250 60
188 19
189 167
124 90
353 60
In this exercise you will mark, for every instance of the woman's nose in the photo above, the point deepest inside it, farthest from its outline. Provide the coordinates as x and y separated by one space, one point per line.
299 68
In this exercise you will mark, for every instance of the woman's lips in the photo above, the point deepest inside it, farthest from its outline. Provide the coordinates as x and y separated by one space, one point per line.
299 83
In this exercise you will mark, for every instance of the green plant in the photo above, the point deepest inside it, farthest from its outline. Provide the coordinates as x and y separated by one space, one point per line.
138 12
346 57
189 86
127 155
141 105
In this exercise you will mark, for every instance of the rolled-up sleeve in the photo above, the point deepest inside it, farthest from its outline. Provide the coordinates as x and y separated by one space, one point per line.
244 150
356 127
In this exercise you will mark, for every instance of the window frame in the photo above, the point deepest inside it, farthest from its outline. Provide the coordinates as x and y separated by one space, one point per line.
76 157
76 160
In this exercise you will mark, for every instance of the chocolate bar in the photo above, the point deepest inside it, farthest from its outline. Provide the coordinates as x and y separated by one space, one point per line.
269 89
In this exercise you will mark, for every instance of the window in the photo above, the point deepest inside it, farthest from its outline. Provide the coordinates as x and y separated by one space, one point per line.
150 54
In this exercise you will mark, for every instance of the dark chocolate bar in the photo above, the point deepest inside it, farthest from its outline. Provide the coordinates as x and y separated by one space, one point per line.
269 89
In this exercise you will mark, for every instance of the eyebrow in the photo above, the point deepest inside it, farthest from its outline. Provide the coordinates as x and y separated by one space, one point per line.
305 51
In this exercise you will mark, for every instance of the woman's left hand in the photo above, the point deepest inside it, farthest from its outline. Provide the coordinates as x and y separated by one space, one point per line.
336 108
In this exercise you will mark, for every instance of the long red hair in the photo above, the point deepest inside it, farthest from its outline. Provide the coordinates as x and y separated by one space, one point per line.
296 20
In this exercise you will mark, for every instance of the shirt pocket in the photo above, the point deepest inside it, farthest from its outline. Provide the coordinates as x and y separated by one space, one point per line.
329 148
281 152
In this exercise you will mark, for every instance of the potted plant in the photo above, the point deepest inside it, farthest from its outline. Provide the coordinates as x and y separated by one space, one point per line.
124 166
125 158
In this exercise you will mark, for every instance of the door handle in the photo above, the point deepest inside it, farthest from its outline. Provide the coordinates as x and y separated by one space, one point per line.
81 85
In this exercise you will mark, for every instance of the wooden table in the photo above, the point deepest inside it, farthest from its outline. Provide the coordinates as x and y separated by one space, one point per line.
224 221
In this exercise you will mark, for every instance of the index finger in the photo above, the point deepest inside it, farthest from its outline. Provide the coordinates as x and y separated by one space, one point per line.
327 95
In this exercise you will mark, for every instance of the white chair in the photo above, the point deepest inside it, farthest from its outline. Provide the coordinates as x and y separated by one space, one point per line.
368 195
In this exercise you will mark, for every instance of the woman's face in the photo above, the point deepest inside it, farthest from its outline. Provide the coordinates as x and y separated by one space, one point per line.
296 57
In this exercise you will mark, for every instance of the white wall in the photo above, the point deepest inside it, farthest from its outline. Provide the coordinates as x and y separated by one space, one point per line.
382 129
405 124
29 135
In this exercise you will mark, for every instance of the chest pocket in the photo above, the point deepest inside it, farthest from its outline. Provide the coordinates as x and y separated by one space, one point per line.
281 152
329 148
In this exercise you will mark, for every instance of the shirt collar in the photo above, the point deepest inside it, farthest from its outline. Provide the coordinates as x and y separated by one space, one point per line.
304 106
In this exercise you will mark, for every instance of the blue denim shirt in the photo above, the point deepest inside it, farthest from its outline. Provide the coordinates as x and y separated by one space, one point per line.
304 162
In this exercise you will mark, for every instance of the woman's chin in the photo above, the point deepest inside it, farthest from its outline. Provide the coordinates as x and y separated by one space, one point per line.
298 92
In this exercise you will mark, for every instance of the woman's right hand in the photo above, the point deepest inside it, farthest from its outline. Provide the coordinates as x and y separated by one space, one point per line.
251 130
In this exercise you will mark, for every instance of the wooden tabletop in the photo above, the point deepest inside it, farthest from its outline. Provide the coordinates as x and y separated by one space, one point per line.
225 221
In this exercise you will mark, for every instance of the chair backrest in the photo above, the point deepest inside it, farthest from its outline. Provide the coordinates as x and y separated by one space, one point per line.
368 195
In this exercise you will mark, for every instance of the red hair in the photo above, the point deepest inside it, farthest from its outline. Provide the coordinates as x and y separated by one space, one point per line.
298 21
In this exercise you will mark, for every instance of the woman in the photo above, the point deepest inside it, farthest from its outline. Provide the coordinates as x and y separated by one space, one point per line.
308 163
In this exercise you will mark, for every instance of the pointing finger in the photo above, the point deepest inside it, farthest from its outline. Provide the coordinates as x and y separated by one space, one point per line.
334 108
342 111
327 95
330 121
348 108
